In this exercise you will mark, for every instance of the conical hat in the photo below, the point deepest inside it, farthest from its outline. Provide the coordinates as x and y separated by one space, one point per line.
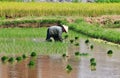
65 27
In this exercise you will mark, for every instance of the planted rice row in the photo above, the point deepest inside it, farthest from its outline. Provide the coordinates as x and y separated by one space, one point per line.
96 32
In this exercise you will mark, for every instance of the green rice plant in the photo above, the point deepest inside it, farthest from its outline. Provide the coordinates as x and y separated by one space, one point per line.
93 64
4 59
31 63
33 54
109 52
24 40
11 60
76 44
96 32
76 38
84 54
92 60
69 68
91 46
77 53
66 36
71 41
24 56
64 55
19 58
87 41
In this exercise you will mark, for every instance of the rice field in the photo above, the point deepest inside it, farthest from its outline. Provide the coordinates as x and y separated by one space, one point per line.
96 32
20 9
16 41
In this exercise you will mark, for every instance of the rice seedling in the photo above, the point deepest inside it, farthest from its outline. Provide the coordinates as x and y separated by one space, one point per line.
11 60
31 63
24 56
87 41
93 64
91 46
84 54
69 68
92 60
33 54
71 41
76 44
77 53
4 59
76 38
19 58
64 55
66 36
109 52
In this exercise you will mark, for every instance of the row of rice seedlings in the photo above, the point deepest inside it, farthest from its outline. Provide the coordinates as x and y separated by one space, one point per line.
81 54
32 62
23 40
93 64
14 9
5 59
68 67
27 45
96 32
12 60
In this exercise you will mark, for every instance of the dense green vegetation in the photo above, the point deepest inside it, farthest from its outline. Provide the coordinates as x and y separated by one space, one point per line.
20 9
94 31
27 40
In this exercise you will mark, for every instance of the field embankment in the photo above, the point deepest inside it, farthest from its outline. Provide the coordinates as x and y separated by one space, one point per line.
19 9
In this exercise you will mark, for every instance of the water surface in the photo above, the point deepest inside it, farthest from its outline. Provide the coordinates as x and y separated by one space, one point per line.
53 66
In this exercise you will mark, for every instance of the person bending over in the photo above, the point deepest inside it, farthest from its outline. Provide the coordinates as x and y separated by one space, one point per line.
55 32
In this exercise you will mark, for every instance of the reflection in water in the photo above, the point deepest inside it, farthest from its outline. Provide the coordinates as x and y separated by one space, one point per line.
54 66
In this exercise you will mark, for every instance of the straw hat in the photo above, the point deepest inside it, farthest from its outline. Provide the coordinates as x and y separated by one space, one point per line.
65 28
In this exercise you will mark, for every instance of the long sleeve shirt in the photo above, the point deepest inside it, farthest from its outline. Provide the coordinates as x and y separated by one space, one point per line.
55 32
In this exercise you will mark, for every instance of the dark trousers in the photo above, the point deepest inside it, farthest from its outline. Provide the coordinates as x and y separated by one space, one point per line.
54 36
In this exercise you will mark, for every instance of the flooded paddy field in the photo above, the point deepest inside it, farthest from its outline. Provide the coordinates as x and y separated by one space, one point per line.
54 65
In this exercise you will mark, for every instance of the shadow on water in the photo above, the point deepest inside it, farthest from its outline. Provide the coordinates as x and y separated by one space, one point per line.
53 66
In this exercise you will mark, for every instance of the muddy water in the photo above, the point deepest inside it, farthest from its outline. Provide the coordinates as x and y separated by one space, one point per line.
53 66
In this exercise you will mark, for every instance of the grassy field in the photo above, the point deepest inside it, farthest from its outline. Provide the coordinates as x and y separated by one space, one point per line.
19 9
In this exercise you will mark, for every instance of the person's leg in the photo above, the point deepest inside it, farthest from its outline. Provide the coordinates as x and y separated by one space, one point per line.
56 38
48 35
